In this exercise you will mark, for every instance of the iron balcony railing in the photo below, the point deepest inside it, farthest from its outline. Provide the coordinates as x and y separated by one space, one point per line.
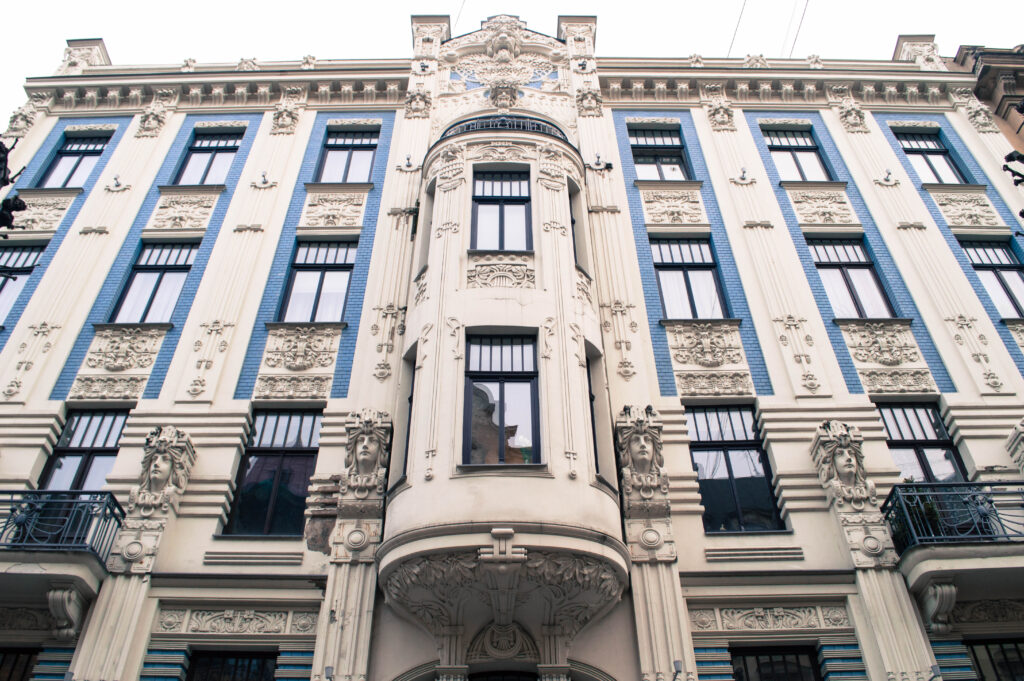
507 122
952 513
42 520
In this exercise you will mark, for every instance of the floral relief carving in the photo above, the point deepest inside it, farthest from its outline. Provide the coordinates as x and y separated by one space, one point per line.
451 167
995 610
975 343
292 387
333 210
819 207
25 619
504 63
551 172
897 381
673 207
794 338
183 212
705 344
886 343
967 210
108 387
237 622
707 383
583 287
298 348
769 618
122 348
44 214
501 271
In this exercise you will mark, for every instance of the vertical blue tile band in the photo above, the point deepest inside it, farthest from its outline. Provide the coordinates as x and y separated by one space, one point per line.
34 174
277 279
732 286
888 273
119 273
967 164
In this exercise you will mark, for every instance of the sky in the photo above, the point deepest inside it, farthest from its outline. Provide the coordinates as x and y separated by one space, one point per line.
217 31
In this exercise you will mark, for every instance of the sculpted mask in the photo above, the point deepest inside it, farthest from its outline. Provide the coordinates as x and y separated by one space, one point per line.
638 442
366 459
840 462
166 466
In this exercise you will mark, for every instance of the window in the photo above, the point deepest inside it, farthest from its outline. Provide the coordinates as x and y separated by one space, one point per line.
849 278
85 452
75 160
929 157
658 154
1001 273
733 474
501 401
209 158
155 283
997 660
319 281
206 665
687 279
776 664
273 477
16 663
796 156
18 263
348 156
501 212
920 445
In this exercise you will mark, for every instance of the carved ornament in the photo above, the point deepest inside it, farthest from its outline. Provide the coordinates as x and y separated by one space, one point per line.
674 207
501 271
67 606
76 59
706 344
714 383
417 104
822 207
367 452
638 444
502 642
168 456
298 348
770 618
589 102
719 110
183 211
43 214
108 387
1015 445
984 612
333 210
25 619
21 120
119 348
888 343
136 545
897 381
152 119
286 387
838 453
925 54
967 210
451 167
287 111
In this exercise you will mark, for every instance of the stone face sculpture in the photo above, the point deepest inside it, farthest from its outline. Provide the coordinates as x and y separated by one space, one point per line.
166 466
840 461
639 447
367 453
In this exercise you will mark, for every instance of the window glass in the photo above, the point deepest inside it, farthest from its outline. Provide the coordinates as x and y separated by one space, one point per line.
359 168
332 296
518 423
501 401
870 294
487 226
910 467
1014 280
62 168
195 166
63 471
319 282
716 494
81 174
485 444
647 169
334 165
674 295
672 168
97 472
839 296
942 463
166 297
137 298
705 294
515 227
786 165
302 296
219 168
923 168
945 169
919 444
810 163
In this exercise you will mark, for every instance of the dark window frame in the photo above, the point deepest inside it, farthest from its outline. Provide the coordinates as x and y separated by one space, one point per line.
686 268
16 262
530 378
138 267
792 147
502 201
64 447
776 652
939 149
66 150
1016 642
844 267
196 146
200 666
17 662
998 267
347 146
919 445
657 145
281 452
350 247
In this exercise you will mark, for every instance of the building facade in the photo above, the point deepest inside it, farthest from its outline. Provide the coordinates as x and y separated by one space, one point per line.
508 362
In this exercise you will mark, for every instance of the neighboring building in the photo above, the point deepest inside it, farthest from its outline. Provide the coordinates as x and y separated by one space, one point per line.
1000 85
508 362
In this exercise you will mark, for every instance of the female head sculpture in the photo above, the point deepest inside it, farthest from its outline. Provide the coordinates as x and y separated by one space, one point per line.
166 465
841 464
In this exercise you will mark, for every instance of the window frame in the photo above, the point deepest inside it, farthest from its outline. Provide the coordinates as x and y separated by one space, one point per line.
88 454
199 657
686 268
351 249
63 152
939 150
502 201
195 147
793 148
502 377
17 262
660 152
347 146
726 446
998 268
919 445
776 652
281 452
843 267
126 290
972 644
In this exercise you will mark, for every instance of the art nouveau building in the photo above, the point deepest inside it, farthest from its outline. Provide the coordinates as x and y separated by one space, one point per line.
508 362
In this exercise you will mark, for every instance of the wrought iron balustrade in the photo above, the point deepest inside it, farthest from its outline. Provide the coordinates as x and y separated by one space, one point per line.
43 520
516 123
951 513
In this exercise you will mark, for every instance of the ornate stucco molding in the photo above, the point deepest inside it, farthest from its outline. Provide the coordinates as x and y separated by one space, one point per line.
153 118
287 111
673 207
108 387
963 209
777 618
233 621
977 113
714 383
897 381
497 270
183 211
717 106
333 209
822 207
301 347
292 387
122 348
881 342
367 452
708 358
1015 445
46 208
638 444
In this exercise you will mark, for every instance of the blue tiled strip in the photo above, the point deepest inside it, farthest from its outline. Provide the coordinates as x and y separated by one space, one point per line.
121 269
967 164
162 664
33 174
713 664
294 664
52 663
954 660
278 276
889 274
731 285
841 662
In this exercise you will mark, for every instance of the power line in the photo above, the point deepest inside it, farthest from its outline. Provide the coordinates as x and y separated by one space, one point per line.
458 16
798 27
736 30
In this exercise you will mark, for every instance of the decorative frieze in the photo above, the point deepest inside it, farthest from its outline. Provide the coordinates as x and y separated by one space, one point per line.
229 621
292 387
698 346
301 347
963 209
778 618
18 619
673 207
714 383
333 209
822 207
501 270
888 343
121 348
1002 610
108 387
897 381
45 208
183 211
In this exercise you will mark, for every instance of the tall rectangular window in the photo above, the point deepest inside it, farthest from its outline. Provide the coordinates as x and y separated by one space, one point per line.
273 476
658 154
209 665
687 279
16 663
920 445
998 660
348 156
796 155
16 263
733 474
319 281
501 212
849 277
74 162
501 401
1001 273
155 283
775 664
930 158
209 158
85 452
